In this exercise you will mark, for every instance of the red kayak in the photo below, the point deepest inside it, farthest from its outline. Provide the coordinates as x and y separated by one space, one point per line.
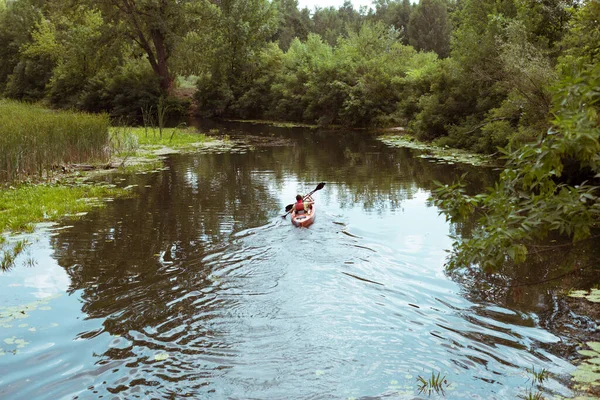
305 219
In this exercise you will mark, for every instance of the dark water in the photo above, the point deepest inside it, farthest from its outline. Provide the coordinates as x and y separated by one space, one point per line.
197 287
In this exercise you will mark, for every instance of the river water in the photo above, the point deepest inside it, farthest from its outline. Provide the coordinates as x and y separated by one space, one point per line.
198 288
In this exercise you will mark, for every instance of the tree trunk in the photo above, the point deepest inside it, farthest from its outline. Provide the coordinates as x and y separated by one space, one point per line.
162 68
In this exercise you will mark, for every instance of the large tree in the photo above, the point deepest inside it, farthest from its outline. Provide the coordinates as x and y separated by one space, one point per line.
156 26
429 27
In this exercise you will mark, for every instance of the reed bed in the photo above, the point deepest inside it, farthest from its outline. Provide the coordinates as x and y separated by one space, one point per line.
34 140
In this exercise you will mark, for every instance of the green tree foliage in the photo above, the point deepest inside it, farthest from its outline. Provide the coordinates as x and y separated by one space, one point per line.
156 26
549 187
429 27
293 23
394 12
25 77
331 23
359 82
241 32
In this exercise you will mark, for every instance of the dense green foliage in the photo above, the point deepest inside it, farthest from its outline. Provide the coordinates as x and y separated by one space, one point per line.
474 74
34 139
547 188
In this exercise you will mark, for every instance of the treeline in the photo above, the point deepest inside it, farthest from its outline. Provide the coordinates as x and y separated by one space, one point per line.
470 73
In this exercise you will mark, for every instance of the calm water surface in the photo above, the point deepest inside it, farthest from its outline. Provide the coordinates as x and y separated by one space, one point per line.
197 287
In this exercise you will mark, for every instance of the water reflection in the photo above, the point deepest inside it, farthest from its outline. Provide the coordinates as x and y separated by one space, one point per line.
198 288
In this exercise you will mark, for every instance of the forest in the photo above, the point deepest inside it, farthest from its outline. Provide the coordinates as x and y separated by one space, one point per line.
470 74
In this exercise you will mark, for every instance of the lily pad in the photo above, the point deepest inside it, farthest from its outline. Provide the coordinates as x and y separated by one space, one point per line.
588 353
578 293
593 295
585 374
595 346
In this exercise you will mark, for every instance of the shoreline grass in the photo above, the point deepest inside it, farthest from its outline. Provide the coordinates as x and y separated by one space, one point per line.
131 139
34 139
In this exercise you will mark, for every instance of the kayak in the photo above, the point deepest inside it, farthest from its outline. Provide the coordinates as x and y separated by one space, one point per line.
305 219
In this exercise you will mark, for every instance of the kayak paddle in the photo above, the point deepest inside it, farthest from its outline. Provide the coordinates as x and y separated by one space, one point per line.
289 207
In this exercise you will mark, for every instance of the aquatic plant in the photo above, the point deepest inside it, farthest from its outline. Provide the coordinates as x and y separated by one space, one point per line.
431 151
436 383
587 374
531 395
26 204
9 255
592 295
127 140
538 377
35 140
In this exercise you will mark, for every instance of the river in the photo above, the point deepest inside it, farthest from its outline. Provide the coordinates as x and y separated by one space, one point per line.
198 288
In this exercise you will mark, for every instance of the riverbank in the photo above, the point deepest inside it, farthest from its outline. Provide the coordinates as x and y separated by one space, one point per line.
68 191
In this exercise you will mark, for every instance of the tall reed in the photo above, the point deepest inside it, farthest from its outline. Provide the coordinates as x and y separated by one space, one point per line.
34 139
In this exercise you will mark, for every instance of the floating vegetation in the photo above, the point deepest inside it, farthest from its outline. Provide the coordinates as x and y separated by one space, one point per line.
277 124
447 155
537 377
12 317
587 374
436 383
23 205
135 146
592 295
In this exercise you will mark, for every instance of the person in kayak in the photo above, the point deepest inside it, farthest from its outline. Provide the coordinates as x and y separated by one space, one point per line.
301 206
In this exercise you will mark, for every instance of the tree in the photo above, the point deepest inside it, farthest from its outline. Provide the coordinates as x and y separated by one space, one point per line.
156 26
293 23
396 13
551 187
17 19
429 27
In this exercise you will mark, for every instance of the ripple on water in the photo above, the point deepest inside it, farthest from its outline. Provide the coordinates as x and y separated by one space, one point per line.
280 312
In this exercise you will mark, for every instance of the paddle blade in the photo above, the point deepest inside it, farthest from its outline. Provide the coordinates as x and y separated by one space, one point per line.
288 207
320 186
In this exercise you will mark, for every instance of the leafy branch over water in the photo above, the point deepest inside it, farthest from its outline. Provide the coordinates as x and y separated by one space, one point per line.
548 187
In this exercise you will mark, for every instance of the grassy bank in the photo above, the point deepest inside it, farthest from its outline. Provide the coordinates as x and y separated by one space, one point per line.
136 140
34 139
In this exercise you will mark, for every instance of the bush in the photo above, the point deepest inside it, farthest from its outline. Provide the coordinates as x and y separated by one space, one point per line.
213 96
123 93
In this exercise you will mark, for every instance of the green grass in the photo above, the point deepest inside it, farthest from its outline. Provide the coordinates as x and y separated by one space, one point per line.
34 139
24 205
127 140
